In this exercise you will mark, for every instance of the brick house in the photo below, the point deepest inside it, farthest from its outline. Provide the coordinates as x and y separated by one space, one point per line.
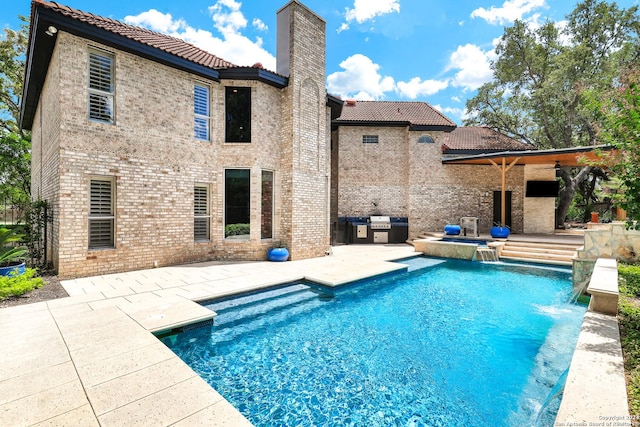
387 160
151 151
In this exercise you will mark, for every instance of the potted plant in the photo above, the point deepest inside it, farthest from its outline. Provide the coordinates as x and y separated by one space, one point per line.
499 231
11 262
278 252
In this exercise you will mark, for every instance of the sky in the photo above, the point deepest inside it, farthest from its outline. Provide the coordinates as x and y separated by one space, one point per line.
395 50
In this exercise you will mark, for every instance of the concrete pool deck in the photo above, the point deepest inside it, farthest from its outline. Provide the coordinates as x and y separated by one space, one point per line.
91 358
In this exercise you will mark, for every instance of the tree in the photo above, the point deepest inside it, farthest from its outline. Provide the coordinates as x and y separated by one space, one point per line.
15 144
619 119
541 77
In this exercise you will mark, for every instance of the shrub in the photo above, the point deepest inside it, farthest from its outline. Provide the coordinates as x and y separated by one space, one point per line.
19 285
236 229
629 279
629 319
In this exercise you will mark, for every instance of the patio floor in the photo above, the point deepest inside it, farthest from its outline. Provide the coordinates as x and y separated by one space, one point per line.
91 358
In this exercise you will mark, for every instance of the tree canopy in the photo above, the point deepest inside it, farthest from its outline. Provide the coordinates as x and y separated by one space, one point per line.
542 74
15 143
619 115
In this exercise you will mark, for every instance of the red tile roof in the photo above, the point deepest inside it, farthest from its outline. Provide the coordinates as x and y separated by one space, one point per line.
481 138
414 113
163 42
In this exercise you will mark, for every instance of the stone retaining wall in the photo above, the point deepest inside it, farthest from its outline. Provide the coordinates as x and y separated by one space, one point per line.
612 241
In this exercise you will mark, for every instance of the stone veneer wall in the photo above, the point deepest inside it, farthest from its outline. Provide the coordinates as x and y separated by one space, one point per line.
614 241
406 178
155 161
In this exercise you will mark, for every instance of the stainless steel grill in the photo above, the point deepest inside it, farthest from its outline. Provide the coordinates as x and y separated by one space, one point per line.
380 222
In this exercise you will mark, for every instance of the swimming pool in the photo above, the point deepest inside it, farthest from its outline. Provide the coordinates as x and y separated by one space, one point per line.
450 343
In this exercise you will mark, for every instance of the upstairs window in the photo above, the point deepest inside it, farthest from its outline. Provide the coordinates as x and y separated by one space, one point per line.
201 112
201 213
369 139
101 213
101 87
238 114
425 139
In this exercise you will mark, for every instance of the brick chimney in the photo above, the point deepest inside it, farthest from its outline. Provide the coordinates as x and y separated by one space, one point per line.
305 131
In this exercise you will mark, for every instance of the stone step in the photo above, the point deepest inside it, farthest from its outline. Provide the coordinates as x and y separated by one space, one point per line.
536 255
567 246
539 261
540 250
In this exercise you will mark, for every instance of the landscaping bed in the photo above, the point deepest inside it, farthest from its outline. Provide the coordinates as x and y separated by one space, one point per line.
50 289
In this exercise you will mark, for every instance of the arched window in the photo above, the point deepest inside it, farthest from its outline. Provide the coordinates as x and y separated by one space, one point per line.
425 139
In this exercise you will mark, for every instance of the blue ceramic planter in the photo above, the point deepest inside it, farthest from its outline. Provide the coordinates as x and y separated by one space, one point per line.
499 232
451 230
13 270
278 254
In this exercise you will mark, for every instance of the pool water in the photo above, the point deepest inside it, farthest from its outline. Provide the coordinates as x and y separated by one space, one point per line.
448 343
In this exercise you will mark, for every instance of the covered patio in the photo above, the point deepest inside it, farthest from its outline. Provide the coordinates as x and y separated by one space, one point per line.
554 158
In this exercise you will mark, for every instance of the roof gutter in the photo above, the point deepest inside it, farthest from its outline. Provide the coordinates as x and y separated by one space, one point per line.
527 153
382 123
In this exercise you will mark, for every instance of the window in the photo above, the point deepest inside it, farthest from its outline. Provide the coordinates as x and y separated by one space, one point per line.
201 112
237 204
201 213
266 225
101 213
238 114
101 87
369 139
425 139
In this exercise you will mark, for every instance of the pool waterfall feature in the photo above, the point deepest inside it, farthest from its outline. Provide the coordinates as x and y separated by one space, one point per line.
459 248
555 395
486 254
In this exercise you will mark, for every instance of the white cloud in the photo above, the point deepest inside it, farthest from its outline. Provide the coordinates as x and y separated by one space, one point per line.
456 99
228 20
259 24
509 12
366 10
473 65
227 17
453 112
417 87
156 21
359 80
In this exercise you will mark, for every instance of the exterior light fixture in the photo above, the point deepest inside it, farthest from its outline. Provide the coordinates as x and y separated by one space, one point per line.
51 30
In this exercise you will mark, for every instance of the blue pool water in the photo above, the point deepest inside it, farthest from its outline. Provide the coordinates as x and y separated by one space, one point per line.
463 240
449 343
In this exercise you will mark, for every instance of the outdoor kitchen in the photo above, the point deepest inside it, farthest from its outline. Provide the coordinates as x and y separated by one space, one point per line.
373 229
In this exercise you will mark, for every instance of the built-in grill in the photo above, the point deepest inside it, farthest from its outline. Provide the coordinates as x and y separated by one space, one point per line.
380 222
373 229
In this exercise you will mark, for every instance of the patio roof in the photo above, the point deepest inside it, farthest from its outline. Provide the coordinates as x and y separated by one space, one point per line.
564 157
504 161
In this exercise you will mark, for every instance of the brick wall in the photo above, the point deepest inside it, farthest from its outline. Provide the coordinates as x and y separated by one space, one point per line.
305 152
406 178
155 161
45 153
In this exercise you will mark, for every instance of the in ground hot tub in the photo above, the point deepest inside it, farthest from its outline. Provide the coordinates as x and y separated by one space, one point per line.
458 247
